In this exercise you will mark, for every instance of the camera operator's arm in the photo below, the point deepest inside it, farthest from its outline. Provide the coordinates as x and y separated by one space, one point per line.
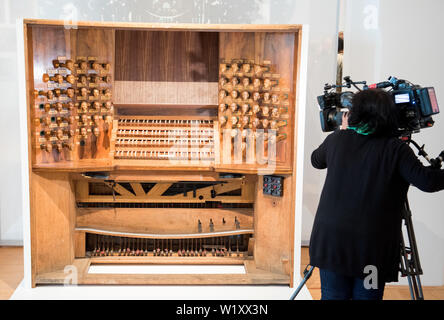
427 179
344 125
319 156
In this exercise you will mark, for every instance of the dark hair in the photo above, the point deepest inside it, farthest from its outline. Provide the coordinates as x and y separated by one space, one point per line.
374 110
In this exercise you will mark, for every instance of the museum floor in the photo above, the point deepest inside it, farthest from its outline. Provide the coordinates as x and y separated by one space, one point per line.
11 274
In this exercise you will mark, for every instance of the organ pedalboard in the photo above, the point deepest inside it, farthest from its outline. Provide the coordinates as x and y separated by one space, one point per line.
146 153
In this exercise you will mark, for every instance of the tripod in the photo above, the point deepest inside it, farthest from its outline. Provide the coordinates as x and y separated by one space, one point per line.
410 265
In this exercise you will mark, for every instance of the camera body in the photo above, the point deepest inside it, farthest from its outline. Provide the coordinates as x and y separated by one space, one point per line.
333 105
416 105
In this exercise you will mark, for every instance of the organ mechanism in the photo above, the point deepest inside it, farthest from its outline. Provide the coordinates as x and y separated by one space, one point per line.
146 153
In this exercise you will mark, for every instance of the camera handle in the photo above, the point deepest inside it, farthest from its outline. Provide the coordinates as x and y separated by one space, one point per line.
348 83
435 163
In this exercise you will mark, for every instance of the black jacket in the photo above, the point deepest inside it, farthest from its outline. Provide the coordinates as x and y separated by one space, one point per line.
358 221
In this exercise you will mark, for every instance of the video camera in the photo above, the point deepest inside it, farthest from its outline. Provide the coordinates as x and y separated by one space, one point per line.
416 105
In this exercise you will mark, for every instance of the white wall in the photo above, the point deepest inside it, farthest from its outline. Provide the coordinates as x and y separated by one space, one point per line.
323 20
10 186
404 38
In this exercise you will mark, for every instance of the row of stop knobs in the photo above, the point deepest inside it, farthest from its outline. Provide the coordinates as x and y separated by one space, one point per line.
81 64
236 67
256 109
71 92
82 119
255 123
266 97
244 118
80 79
60 134
59 146
82 107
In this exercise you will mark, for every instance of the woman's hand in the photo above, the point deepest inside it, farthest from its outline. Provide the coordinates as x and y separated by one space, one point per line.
344 125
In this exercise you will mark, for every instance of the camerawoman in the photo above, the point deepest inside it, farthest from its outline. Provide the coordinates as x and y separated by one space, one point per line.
370 167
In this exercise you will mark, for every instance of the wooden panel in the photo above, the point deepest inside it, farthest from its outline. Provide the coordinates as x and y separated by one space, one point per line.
49 43
277 48
157 92
272 228
202 194
194 111
53 213
98 43
170 279
166 56
254 275
174 69
46 43
237 45
80 244
163 220
172 26
153 176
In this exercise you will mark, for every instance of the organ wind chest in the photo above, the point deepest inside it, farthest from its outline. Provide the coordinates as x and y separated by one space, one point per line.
157 144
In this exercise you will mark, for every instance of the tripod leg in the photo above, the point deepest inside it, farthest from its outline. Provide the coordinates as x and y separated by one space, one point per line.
420 294
307 275
405 266
410 265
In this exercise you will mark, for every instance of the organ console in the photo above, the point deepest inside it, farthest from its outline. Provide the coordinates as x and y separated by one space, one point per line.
147 153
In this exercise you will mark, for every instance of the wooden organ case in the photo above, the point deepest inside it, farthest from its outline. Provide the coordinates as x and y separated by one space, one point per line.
162 144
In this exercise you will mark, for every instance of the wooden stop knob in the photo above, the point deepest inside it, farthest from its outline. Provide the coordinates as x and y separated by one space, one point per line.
222 120
108 105
69 64
96 131
59 106
70 92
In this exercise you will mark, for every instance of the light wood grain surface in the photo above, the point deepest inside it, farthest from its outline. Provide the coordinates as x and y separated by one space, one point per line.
11 270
